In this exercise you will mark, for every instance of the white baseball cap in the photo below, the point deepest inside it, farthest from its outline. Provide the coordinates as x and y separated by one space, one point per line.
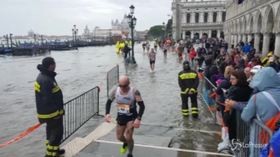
255 69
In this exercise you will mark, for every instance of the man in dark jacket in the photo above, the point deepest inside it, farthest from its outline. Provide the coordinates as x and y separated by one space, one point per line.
188 81
49 103
126 51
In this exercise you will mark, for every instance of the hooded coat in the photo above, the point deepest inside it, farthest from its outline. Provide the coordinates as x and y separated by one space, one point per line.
265 80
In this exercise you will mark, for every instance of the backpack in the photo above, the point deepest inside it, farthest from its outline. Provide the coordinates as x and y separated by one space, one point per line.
272 149
271 123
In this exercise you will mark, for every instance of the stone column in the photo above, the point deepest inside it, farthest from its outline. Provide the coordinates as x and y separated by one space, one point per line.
228 38
235 40
257 42
219 16
184 18
193 17
210 17
210 34
218 33
184 35
192 34
277 44
201 17
266 43
239 38
200 34
249 37
244 38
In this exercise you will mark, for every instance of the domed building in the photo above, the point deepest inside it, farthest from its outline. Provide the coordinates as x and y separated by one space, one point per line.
121 26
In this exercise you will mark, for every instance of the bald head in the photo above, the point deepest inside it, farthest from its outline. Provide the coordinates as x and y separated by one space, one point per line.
124 80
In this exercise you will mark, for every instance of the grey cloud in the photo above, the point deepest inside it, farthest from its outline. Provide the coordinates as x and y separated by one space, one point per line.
58 16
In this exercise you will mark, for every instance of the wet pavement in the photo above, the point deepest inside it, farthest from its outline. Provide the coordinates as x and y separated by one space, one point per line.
152 140
81 70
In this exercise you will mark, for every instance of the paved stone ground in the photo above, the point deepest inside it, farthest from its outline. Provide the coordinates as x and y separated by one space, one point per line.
163 126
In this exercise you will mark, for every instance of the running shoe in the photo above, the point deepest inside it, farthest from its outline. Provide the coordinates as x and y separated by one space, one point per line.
123 149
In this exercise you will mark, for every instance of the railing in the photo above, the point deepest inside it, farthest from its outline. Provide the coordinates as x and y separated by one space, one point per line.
242 135
250 139
112 78
79 110
203 91
262 135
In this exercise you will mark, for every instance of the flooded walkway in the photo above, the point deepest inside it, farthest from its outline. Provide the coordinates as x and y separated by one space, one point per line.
149 144
164 131
163 124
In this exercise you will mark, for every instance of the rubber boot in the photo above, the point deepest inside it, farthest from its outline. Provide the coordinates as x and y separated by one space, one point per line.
61 152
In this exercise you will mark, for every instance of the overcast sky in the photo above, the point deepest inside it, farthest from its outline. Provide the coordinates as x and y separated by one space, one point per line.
57 17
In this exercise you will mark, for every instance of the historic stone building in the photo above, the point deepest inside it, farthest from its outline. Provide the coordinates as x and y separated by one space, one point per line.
192 18
122 26
255 21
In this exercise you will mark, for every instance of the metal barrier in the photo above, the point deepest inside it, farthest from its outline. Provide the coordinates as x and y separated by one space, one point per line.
262 135
79 110
112 78
202 89
242 135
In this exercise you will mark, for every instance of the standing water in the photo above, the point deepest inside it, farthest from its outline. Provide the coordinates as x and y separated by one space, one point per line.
81 70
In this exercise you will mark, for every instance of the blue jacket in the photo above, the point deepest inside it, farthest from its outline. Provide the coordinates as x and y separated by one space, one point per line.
274 144
246 49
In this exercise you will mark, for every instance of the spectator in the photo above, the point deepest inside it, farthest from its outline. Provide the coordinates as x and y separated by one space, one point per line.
239 91
192 55
259 105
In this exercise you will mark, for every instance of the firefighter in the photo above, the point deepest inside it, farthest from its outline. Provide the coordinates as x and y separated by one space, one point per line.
188 81
49 104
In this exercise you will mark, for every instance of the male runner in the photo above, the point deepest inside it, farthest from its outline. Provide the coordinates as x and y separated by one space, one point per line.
127 117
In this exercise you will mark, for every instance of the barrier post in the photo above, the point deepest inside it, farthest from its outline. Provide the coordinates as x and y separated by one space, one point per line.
112 78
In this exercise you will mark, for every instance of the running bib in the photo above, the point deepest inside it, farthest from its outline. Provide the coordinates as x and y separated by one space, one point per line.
123 108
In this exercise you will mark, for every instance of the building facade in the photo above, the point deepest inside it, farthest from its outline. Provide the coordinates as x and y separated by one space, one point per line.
123 25
193 19
255 21
117 29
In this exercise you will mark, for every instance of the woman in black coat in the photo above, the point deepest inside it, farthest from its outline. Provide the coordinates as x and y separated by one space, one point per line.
240 92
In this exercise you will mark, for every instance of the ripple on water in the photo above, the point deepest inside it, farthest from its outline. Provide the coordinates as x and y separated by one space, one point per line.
10 88
67 69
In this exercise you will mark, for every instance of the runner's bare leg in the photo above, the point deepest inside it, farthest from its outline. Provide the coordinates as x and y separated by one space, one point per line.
129 136
120 130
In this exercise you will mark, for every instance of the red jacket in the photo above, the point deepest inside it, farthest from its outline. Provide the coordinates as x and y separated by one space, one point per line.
192 54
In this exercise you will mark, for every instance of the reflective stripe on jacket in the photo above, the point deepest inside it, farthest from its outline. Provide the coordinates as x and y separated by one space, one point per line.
49 98
188 81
